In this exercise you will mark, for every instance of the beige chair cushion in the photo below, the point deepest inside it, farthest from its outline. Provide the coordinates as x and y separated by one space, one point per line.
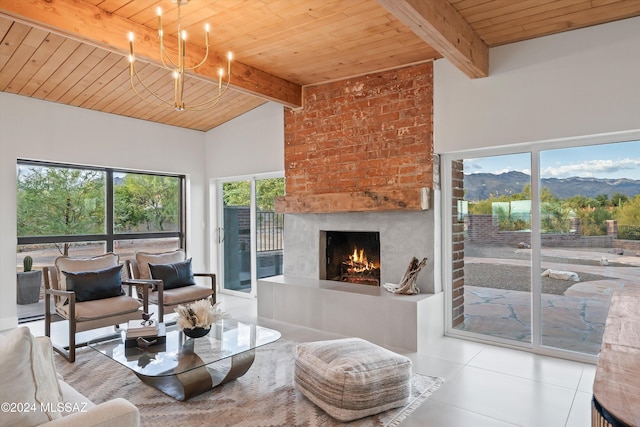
75 265
28 377
100 308
352 378
145 258
182 295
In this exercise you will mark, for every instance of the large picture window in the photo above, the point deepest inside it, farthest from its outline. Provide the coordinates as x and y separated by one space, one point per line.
85 211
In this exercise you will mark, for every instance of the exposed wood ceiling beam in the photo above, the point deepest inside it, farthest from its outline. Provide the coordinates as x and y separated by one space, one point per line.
85 22
443 28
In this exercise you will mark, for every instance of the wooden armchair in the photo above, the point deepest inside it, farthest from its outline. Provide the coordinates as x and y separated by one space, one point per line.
87 292
169 287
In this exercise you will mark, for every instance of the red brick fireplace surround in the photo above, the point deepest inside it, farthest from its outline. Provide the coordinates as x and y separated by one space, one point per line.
361 144
359 158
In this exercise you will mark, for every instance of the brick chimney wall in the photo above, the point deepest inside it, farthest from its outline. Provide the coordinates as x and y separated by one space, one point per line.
361 144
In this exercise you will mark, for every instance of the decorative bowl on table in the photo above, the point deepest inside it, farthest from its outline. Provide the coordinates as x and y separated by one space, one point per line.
196 332
195 319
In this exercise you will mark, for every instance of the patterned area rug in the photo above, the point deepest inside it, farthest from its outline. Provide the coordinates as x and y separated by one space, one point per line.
264 396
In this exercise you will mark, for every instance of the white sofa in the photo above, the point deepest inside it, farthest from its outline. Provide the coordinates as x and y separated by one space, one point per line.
33 394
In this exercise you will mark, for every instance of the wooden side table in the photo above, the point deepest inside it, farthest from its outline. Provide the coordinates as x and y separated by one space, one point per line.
616 389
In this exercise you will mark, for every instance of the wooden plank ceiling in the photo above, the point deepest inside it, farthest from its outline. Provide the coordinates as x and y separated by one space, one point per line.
74 52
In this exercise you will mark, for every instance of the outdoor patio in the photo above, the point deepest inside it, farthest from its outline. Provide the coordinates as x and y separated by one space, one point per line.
573 321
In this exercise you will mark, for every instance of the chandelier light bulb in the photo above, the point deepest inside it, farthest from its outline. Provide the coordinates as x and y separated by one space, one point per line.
177 67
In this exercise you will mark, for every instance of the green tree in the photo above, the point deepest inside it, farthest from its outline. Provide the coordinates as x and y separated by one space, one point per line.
127 213
593 220
146 199
54 201
555 214
629 213
266 192
483 207
580 202
603 200
619 199
546 196
526 192
238 193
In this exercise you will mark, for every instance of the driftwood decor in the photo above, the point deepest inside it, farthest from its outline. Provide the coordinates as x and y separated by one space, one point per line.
408 285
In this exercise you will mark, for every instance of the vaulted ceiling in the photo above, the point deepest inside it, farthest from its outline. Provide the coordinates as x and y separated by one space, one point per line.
75 52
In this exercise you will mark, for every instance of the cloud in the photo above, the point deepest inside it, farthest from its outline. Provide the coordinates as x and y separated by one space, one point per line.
471 167
590 168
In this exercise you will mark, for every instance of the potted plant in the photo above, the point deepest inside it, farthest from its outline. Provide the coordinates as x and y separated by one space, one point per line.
28 283
195 319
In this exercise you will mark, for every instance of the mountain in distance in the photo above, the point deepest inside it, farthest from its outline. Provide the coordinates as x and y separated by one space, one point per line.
479 186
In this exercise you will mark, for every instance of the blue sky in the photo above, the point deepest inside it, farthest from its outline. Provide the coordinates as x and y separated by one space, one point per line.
619 160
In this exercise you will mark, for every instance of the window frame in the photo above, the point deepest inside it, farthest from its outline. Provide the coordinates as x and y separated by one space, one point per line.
110 236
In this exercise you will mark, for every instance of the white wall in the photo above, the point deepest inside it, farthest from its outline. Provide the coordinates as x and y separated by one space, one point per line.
34 129
250 144
581 82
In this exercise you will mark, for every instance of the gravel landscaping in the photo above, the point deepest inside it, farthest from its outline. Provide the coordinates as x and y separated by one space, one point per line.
516 278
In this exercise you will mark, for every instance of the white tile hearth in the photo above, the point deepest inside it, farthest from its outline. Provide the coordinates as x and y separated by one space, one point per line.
369 312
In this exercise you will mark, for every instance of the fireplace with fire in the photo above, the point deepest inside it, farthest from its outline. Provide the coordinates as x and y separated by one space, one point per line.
351 256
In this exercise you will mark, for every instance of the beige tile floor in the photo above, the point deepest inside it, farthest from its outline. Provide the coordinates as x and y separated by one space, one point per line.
485 386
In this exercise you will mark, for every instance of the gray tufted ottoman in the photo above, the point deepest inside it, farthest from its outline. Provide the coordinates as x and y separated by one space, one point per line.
352 378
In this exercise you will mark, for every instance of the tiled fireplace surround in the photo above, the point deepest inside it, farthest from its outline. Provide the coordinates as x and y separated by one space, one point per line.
359 157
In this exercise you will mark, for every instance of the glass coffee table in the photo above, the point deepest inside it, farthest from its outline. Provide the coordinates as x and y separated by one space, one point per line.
183 367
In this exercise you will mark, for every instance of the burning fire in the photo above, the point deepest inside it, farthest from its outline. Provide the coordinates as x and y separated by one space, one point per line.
357 263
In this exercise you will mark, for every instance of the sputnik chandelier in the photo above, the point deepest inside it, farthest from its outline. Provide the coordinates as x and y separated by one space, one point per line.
178 68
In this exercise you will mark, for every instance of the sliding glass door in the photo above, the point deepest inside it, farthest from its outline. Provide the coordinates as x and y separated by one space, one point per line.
492 253
236 236
539 241
589 226
250 232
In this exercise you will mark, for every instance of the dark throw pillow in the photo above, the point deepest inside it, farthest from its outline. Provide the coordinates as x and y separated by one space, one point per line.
92 285
176 275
